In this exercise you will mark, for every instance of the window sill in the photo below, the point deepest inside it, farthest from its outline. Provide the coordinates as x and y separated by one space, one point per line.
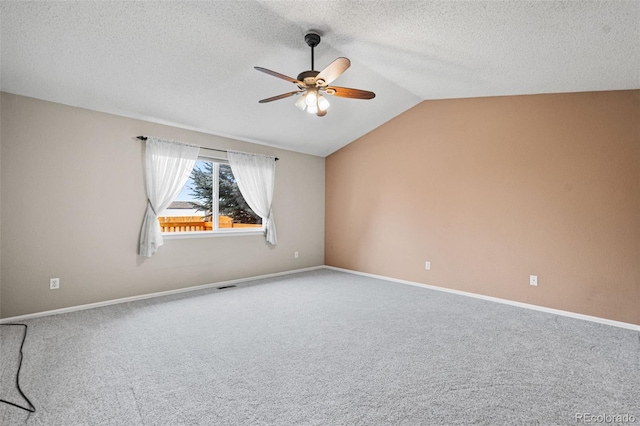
210 234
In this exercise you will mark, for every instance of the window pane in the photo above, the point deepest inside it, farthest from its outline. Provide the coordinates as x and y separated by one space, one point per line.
194 208
191 211
233 210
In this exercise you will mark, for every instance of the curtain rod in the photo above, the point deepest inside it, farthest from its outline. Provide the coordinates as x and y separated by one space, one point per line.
144 138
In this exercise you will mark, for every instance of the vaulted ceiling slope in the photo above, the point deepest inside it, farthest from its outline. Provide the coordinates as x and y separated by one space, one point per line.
190 64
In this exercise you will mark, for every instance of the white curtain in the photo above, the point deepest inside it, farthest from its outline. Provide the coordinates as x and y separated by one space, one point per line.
255 176
168 165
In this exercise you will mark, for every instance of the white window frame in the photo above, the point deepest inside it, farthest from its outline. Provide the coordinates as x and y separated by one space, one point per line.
216 231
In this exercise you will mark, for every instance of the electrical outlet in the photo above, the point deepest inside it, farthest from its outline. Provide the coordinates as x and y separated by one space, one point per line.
533 280
54 283
427 266
295 254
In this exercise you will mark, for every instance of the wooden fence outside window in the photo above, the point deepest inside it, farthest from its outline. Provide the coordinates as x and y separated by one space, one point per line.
197 223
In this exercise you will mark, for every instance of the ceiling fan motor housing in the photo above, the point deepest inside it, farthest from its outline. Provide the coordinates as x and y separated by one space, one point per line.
308 77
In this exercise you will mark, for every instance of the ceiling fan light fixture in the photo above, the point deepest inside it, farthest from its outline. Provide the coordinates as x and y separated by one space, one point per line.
312 102
323 103
302 102
312 109
312 97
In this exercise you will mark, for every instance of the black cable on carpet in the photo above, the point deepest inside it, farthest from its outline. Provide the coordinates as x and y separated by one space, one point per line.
31 408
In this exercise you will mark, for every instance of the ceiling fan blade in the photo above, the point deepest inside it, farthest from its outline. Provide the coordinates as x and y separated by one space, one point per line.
345 92
333 71
277 74
284 95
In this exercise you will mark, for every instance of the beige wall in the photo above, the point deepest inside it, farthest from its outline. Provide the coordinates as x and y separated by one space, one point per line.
73 200
0 211
491 190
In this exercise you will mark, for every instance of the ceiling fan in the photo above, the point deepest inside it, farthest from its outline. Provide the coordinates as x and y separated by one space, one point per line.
312 85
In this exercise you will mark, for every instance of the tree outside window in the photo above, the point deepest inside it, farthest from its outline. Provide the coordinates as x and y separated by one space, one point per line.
211 191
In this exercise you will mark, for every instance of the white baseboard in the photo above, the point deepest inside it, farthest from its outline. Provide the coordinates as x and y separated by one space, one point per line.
496 299
152 295
295 271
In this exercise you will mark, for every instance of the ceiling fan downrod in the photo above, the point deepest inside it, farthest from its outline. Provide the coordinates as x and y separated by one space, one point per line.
312 40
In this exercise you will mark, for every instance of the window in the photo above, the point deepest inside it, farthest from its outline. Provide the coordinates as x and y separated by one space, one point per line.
210 202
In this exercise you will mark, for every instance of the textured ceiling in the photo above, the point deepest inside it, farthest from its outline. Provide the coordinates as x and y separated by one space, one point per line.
190 64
